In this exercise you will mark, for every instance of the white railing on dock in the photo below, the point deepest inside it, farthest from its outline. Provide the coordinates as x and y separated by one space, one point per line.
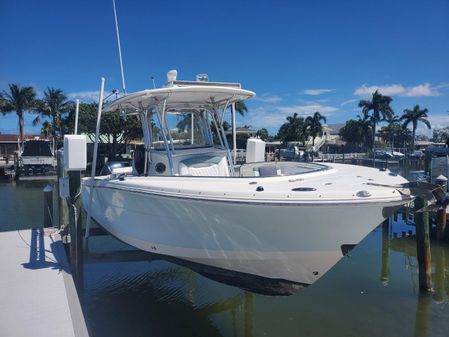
339 156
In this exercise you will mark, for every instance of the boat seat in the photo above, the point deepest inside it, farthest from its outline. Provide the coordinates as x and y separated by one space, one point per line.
205 166
268 171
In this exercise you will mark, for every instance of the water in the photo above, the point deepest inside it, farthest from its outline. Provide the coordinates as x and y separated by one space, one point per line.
369 293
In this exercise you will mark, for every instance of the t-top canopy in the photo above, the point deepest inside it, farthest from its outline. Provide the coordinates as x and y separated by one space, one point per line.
179 98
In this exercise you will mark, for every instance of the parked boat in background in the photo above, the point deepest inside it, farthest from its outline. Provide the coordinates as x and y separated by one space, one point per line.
36 156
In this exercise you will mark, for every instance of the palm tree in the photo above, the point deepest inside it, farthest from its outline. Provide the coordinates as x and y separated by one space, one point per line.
53 105
313 124
18 99
380 105
46 129
241 108
184 122
393 128
414 116
293 130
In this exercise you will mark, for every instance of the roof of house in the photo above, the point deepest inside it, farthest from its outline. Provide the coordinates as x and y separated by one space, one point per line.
12 138
241 130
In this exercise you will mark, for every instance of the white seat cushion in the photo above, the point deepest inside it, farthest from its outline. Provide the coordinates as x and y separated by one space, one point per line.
206 166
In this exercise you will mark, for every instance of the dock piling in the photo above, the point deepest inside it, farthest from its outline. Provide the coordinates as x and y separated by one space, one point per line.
385 271
61 204
441 223
423 246
48 206
76 244
79 267
441 213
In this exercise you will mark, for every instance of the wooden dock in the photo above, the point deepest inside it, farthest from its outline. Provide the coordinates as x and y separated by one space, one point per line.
37 293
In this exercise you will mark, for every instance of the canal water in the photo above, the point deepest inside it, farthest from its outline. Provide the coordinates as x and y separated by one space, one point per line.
371 292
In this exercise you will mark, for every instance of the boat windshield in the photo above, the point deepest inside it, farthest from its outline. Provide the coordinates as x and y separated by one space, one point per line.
37 148
186 130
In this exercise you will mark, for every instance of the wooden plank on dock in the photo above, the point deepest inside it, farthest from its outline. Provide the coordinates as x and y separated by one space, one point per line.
37 293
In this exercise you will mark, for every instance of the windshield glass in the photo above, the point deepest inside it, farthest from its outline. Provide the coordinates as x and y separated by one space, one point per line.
187 130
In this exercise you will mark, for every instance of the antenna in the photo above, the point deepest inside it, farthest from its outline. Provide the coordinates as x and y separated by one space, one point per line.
154 83
119 47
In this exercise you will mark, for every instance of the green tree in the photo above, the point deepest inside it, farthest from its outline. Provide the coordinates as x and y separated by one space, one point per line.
440 135
386 133
313 125
262 133
381 110
389 132
114 130
414 116
293 130
46 129
54 105
422 137
18 99
357 133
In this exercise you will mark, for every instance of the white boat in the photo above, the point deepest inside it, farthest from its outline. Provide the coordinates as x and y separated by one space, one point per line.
279 221
36 155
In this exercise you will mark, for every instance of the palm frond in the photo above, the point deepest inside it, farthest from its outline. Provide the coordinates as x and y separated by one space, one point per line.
36 120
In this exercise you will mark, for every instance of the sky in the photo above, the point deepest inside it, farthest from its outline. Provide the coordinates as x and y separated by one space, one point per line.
298 56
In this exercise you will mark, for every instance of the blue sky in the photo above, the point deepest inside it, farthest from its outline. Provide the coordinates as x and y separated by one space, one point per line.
298 56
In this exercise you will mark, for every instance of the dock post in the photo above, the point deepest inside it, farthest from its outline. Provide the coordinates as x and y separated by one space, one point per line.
61 204
441 213
423 246
48 206
76 247
441 223
16 166
427 162
79 252
385 271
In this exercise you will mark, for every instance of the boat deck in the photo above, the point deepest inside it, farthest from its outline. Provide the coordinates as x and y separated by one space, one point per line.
333 183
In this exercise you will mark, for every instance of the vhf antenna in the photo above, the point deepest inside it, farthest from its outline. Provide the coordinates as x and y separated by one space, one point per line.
119 48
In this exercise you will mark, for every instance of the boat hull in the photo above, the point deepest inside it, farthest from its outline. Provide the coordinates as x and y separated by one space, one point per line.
292 241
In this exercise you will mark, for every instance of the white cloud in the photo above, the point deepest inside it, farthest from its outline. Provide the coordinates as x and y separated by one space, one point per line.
275 116
441 86
267 98
315 92
307 109
398 90
349 101
88 96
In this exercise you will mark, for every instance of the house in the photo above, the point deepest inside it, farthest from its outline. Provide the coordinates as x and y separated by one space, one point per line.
331 133
9 143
